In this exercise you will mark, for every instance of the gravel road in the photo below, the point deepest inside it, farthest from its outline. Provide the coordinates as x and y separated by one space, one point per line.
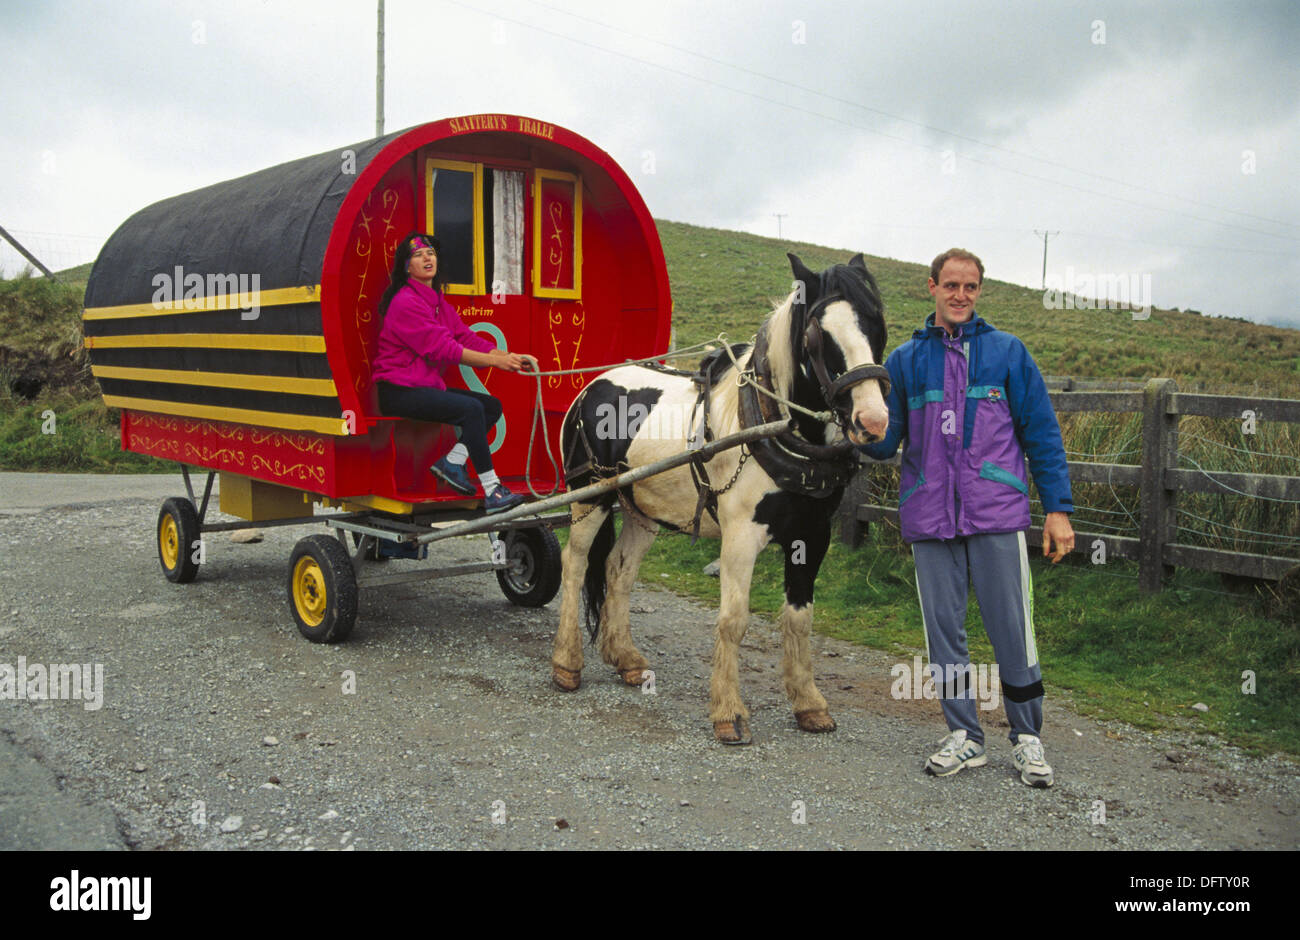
222 728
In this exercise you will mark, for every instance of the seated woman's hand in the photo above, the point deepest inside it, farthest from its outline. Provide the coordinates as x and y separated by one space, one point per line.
511 362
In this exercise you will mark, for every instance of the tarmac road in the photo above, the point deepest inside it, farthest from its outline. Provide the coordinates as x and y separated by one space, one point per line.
222 728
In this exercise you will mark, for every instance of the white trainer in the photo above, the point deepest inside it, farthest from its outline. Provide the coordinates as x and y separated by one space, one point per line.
954 753
1028 758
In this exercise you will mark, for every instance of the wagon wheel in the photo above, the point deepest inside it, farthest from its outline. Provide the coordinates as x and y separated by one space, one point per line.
322 589
179 540
533 575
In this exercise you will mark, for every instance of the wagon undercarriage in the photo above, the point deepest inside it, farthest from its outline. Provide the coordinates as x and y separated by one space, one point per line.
326 572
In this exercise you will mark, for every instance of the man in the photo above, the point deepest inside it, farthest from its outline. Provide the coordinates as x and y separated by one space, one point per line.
969 404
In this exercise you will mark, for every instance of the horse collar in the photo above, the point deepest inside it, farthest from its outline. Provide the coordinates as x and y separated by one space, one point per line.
794 463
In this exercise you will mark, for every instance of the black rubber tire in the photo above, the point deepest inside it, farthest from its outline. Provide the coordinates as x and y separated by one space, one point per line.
182 536
323 595
538 551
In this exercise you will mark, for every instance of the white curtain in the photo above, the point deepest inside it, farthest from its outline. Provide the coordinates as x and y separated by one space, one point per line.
508 229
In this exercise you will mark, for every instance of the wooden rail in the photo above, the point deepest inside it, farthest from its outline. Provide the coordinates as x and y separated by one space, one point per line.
1158 478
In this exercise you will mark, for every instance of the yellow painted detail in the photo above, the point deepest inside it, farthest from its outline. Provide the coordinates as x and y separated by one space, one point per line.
270 342
431 164
309 595
382 503
257 500
261 298
169 542
268 419
254 383
539 289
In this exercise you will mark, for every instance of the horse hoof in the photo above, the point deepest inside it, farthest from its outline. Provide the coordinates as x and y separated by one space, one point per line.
735 731
566 680
634 676
816 720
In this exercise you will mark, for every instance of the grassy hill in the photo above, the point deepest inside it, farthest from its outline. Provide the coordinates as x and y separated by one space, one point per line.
725 280
722 281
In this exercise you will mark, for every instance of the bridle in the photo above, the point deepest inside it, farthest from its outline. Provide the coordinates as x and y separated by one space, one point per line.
835 391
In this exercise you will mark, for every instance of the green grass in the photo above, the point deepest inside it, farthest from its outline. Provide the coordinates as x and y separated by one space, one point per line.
40 336
1113 652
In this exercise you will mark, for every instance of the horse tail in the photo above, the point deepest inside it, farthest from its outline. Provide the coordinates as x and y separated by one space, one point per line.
593 586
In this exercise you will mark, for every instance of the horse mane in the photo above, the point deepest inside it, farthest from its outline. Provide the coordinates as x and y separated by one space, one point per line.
783 333
725 406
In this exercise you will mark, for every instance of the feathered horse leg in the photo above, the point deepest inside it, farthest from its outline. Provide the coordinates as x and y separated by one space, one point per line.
742 540
566 660
615 637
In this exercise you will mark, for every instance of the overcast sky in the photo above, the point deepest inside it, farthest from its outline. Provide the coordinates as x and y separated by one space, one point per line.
1159 140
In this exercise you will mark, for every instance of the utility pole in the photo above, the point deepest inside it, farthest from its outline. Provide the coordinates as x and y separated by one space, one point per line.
1045 234
779 217
379 77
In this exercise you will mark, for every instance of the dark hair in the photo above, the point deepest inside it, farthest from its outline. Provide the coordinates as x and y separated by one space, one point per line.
399 276
960 254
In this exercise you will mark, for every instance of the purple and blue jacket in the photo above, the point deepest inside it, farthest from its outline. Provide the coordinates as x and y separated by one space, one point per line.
968 409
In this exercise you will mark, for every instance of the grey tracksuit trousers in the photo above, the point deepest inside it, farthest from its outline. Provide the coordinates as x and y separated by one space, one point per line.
998 566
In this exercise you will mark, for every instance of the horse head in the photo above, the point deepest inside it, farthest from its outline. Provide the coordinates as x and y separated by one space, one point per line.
837 335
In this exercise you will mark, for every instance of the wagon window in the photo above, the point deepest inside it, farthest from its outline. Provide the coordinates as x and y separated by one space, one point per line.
557 235
454 210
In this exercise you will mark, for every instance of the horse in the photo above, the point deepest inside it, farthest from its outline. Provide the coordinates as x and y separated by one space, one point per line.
783 489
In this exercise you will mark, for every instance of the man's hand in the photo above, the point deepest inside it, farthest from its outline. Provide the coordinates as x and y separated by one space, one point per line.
1056 528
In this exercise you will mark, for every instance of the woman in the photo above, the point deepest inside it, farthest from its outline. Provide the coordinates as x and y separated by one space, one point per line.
422 335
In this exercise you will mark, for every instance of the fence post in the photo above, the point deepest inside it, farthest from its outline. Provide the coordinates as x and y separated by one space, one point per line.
1159 453
851 530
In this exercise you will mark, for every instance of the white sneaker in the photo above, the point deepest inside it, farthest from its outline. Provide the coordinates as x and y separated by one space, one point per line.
1028 758
954 753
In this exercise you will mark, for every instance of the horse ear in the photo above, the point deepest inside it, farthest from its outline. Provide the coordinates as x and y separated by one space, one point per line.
811 281
859 262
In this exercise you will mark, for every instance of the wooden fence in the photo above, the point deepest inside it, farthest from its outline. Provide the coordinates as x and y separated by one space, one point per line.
1158 479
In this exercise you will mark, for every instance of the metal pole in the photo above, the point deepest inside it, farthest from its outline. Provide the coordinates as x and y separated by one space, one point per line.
27 254
379 77
588 493
1045 234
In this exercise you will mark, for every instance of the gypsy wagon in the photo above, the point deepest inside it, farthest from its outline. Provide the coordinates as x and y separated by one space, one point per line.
235 326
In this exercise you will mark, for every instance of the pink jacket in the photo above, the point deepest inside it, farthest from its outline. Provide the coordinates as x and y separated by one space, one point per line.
422 335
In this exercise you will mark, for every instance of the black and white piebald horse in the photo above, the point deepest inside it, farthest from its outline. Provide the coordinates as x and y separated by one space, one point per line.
822 349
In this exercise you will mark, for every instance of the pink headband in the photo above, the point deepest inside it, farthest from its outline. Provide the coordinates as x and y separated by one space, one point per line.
418 243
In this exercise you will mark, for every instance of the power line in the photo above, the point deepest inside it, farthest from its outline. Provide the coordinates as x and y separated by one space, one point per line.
904 120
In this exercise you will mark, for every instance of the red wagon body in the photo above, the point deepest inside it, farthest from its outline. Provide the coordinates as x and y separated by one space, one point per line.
236 326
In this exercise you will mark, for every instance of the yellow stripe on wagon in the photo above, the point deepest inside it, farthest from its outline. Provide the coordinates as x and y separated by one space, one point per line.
268 419
291 385
264 342
232 301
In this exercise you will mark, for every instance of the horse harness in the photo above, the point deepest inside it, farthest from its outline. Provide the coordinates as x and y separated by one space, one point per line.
794 463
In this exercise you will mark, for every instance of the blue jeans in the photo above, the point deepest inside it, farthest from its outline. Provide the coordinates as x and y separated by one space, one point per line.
472 412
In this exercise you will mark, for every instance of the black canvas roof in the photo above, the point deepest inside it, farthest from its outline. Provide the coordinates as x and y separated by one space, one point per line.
274 223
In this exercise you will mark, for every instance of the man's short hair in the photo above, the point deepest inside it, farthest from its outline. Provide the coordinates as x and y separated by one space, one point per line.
961 254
